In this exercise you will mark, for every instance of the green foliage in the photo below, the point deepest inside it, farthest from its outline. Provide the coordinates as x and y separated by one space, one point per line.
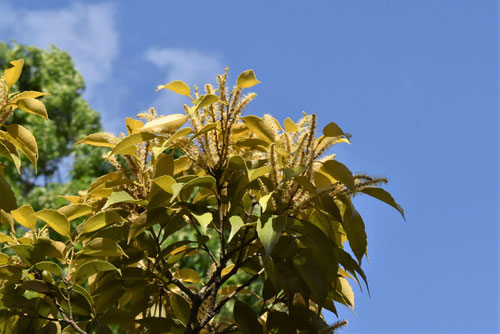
264 206
71 119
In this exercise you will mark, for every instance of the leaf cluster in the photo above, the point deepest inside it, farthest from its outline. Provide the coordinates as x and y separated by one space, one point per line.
263 202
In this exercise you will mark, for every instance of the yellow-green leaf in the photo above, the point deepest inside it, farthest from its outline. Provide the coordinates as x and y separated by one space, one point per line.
165 182
189 275
88 269
133 125
346 291
229 289
29 94
177 86
339 172
181 307
269 230
101 220
102 247
258 126
102 139
168 123
33 106
57 221
247 79
227 270
236 223
5 238
127 144
11 75
74 211
181 164
290 126
24 140
204 220
25 215
50 266
205 100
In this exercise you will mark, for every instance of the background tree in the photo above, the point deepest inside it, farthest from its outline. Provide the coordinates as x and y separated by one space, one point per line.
265 201
71 119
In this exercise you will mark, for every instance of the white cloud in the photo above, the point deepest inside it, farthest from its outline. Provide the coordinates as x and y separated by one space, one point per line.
191 66
86 31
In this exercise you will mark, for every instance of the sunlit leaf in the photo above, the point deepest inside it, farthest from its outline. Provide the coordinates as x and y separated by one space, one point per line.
101 220
204 220
102 247
258 126
247 79
102 139
24 140
290 126
177 86
11 75
205 100
29 94
165 124
189 275
127 144
57 221
50 266
25 215
33 106
236 223
74 211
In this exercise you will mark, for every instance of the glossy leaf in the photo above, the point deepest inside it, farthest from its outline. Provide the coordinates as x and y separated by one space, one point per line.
247 79
24 141
25 215
57 221
290 126
102 247
177 86
74 211
101 220
127 144
259 127
102 139
205 100
29 94
189 275
165 124
33 106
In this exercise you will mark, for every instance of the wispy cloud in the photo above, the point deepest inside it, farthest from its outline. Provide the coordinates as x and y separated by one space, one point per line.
86 31
190 66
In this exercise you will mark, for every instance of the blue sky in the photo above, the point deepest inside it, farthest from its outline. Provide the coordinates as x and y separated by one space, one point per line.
415 82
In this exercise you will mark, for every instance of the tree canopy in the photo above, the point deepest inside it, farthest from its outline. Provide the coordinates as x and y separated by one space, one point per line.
266 203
